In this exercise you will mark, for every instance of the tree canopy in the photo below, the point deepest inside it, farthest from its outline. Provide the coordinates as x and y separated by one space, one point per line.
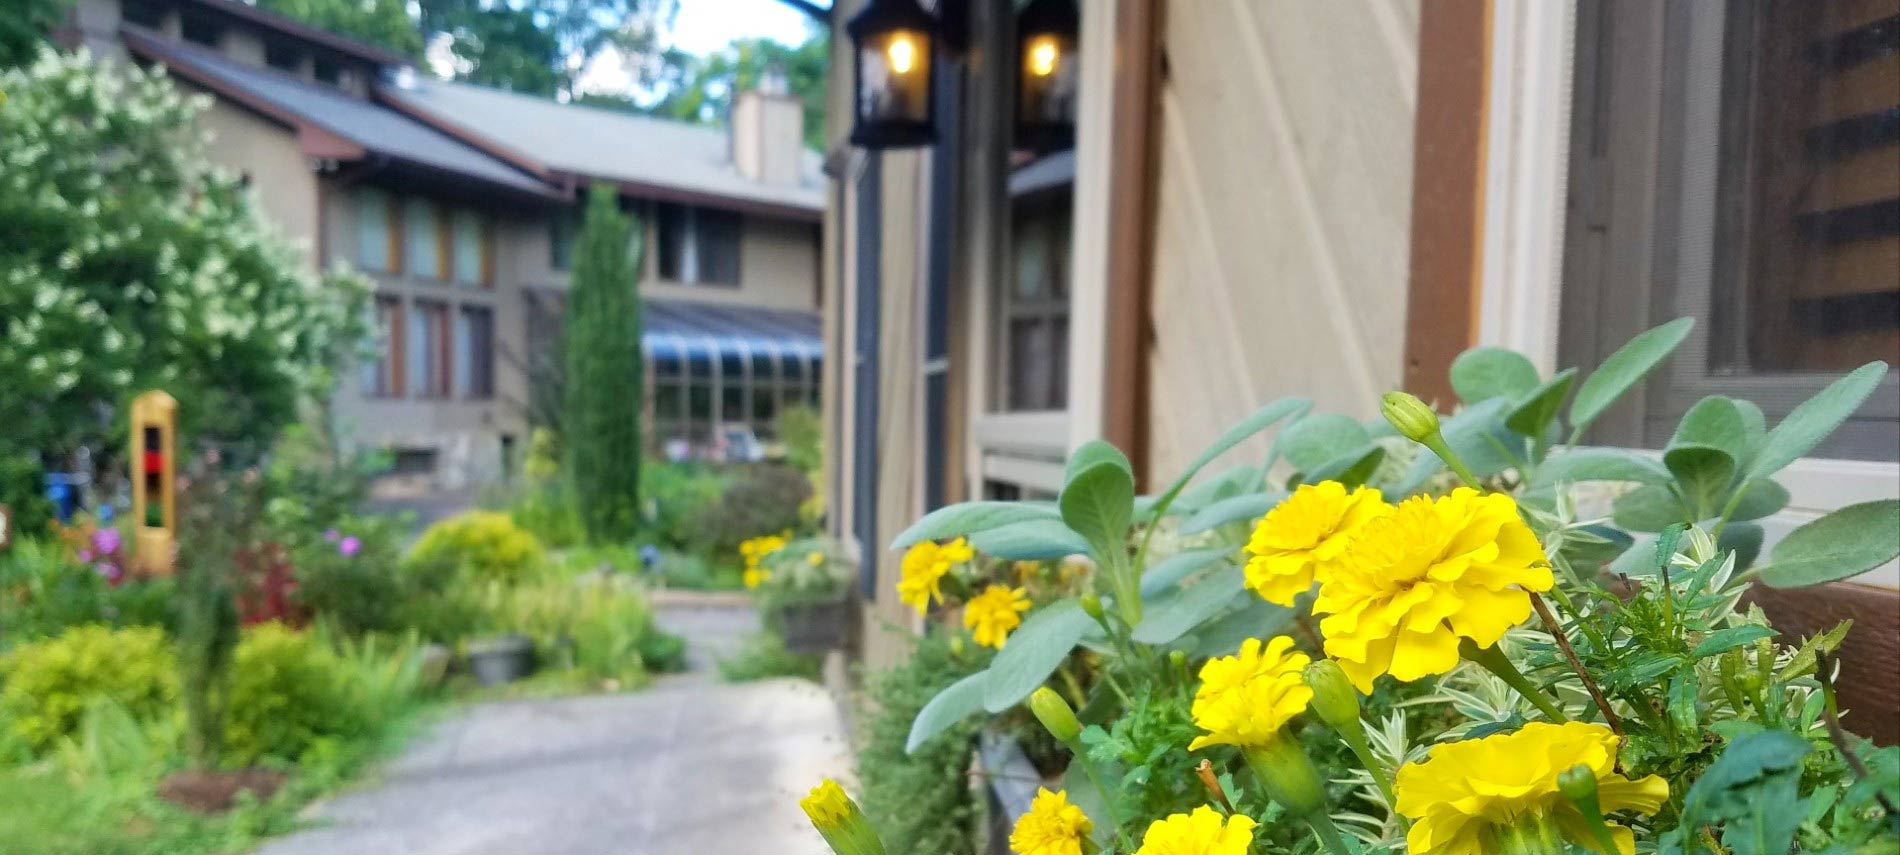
700 89
380 22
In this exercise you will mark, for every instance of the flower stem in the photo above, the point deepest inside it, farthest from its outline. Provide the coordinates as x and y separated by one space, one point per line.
1576 664
1531 834
1088 769
1356 740
1436 442
1492 659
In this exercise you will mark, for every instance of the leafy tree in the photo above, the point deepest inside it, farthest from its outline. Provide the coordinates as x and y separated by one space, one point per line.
701 88
129 262
540 46
23 28
604 384
379 22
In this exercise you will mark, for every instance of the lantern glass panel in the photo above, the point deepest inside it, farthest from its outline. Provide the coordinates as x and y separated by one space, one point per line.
895 77
1050 75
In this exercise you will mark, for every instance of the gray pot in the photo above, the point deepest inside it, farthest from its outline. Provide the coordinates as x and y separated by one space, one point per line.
816 627
503 659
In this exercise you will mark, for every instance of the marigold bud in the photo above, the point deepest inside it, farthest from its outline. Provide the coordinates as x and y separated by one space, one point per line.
1092 606
1413 418
1334 698
1578 784
1055 714
1288 776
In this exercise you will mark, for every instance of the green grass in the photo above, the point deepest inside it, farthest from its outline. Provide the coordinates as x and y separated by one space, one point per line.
764 656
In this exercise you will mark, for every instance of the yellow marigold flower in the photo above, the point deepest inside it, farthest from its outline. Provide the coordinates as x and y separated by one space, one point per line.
1462 789
827 805
993 614
1051 827
1245 699
1199 833
1414 581
754 577
815 559
924 567
1297 541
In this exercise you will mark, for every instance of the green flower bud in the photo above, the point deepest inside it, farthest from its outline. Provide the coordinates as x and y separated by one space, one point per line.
1055 714
1334 699
1092 606
1288 776
1578 784
1412 417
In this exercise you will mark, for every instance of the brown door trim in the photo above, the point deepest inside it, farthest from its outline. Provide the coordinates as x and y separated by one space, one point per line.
1448 159
1133 153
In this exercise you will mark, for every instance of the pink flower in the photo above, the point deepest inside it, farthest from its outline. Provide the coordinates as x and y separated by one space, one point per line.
85 556
105 541
332 535
111 572
349 546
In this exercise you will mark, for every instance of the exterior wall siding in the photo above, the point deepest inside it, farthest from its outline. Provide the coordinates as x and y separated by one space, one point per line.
1282 221
282 185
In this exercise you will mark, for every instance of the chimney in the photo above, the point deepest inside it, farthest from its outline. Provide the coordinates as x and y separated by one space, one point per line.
768 132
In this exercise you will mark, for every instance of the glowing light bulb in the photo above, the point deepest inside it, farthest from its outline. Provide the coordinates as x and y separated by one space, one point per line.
902 53
1043 53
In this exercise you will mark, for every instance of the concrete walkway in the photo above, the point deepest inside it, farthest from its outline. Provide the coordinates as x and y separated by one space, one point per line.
691 766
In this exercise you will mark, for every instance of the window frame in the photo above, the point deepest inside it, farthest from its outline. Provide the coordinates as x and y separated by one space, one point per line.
390 363
1644 175
480 385
1047 218
437 380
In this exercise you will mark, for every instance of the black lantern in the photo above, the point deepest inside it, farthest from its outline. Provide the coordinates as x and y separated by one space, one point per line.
1048 75
894 40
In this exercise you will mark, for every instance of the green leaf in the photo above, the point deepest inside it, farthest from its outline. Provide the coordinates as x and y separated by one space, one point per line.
1537 409
1260 420
1095 452
1317 440
1808 424
1763 499
1638 560
965 518
1482 373
1724 640
1648 508
1251 506
1743 539
956 702
1352 469
1257 619
1751 793
1098 502
1714 422
1624 369
1165 574
1597 464
1704 475
1174 616
1231 482
1845 543
1030 540
1033 652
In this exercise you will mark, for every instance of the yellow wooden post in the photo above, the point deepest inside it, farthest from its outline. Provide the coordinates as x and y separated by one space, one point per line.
154 482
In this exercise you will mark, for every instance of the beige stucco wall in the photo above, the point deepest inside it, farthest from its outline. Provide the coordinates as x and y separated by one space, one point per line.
1282 221
283 185
465 434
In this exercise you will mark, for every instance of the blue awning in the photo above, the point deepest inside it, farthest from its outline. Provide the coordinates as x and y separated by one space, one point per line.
686 330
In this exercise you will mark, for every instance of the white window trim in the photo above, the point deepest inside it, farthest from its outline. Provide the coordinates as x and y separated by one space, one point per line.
1533 58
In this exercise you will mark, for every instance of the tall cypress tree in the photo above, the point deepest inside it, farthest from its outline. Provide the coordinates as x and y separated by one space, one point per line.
605 384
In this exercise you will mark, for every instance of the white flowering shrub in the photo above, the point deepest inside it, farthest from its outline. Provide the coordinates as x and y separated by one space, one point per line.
128 261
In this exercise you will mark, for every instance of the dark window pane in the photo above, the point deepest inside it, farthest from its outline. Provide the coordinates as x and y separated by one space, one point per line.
673 230
668 402
718 237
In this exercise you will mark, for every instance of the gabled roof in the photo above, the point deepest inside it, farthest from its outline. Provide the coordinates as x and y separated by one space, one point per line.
300 30
656 158
329 122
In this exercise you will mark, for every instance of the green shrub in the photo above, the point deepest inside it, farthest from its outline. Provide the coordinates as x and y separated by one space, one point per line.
763 656
546 510
663 652
482 545
600 422
762 498
350 576
49 683
43 592
919 801
289 691
807 570
678 497
598 627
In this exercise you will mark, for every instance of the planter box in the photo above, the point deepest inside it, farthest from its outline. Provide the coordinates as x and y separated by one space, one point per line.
505 659
816 627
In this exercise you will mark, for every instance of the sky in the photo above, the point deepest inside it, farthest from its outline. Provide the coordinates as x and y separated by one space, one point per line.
704 26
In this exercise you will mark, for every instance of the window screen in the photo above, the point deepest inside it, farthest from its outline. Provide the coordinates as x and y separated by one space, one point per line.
1738 163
